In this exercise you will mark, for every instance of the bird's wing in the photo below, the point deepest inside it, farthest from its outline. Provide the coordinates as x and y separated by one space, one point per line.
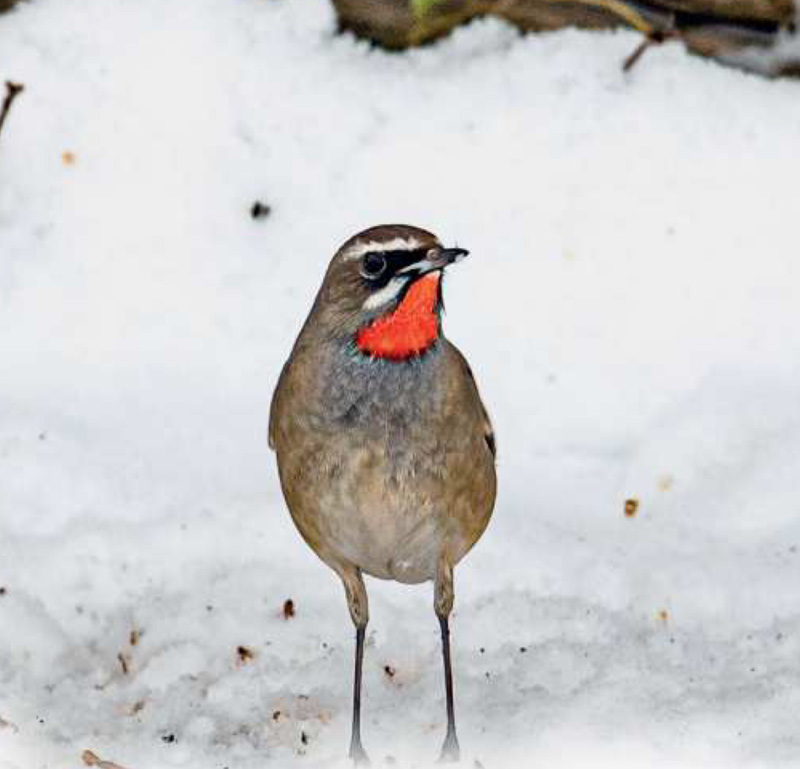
274 406
488 429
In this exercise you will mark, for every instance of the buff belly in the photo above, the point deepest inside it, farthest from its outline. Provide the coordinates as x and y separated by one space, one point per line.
378 512
385 539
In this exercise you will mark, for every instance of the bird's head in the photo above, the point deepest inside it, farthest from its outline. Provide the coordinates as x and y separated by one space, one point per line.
383 291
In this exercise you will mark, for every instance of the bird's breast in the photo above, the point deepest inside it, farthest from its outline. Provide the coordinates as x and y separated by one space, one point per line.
382 469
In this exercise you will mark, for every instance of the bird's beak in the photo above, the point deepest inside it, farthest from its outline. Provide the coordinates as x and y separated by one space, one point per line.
437 258
450 255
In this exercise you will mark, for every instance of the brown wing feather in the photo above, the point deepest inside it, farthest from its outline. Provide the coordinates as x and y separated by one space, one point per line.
274 405
488 429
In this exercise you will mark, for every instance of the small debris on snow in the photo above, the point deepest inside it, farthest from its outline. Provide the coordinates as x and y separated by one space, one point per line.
665 482
8 725
123 663
631 507
68 158
288 608
260 210
245 654
91 759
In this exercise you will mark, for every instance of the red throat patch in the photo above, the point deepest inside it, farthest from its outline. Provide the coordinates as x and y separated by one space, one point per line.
411 329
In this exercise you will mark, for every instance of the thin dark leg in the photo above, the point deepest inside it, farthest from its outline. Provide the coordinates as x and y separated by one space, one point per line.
450 749
357 752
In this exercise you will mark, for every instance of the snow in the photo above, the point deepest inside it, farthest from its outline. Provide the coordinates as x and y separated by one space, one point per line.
630 311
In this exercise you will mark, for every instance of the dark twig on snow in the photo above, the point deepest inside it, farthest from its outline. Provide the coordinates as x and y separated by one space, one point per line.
12 91
655 38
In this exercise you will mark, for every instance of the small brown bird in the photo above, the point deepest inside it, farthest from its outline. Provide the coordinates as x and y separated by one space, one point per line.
385 452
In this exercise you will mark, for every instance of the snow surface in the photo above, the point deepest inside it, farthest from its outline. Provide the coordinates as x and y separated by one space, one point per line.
630 310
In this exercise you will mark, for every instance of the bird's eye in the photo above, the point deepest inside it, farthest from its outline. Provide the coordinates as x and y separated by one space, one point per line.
373 265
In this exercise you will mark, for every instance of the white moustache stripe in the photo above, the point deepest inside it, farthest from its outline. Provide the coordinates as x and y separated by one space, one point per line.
386 294
420 267
357 250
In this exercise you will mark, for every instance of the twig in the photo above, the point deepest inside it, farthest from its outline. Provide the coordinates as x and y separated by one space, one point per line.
631 59
91 759
12 91
654 38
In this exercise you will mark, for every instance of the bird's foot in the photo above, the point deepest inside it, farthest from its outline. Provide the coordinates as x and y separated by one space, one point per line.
451 752
358 754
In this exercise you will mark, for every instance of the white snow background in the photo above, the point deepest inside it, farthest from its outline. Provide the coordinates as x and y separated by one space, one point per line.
630 308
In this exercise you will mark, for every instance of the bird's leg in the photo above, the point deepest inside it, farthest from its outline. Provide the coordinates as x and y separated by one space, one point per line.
443 605
359 611
357 752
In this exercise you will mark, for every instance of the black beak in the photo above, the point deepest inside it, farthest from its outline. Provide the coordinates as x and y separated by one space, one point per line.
451 255
435 258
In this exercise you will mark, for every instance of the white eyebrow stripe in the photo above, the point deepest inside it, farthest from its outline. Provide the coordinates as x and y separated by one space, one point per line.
357 250
386 294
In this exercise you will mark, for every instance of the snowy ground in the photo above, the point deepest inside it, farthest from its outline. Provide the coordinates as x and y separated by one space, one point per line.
630 308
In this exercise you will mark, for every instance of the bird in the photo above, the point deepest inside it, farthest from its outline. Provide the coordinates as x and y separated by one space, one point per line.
386 454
